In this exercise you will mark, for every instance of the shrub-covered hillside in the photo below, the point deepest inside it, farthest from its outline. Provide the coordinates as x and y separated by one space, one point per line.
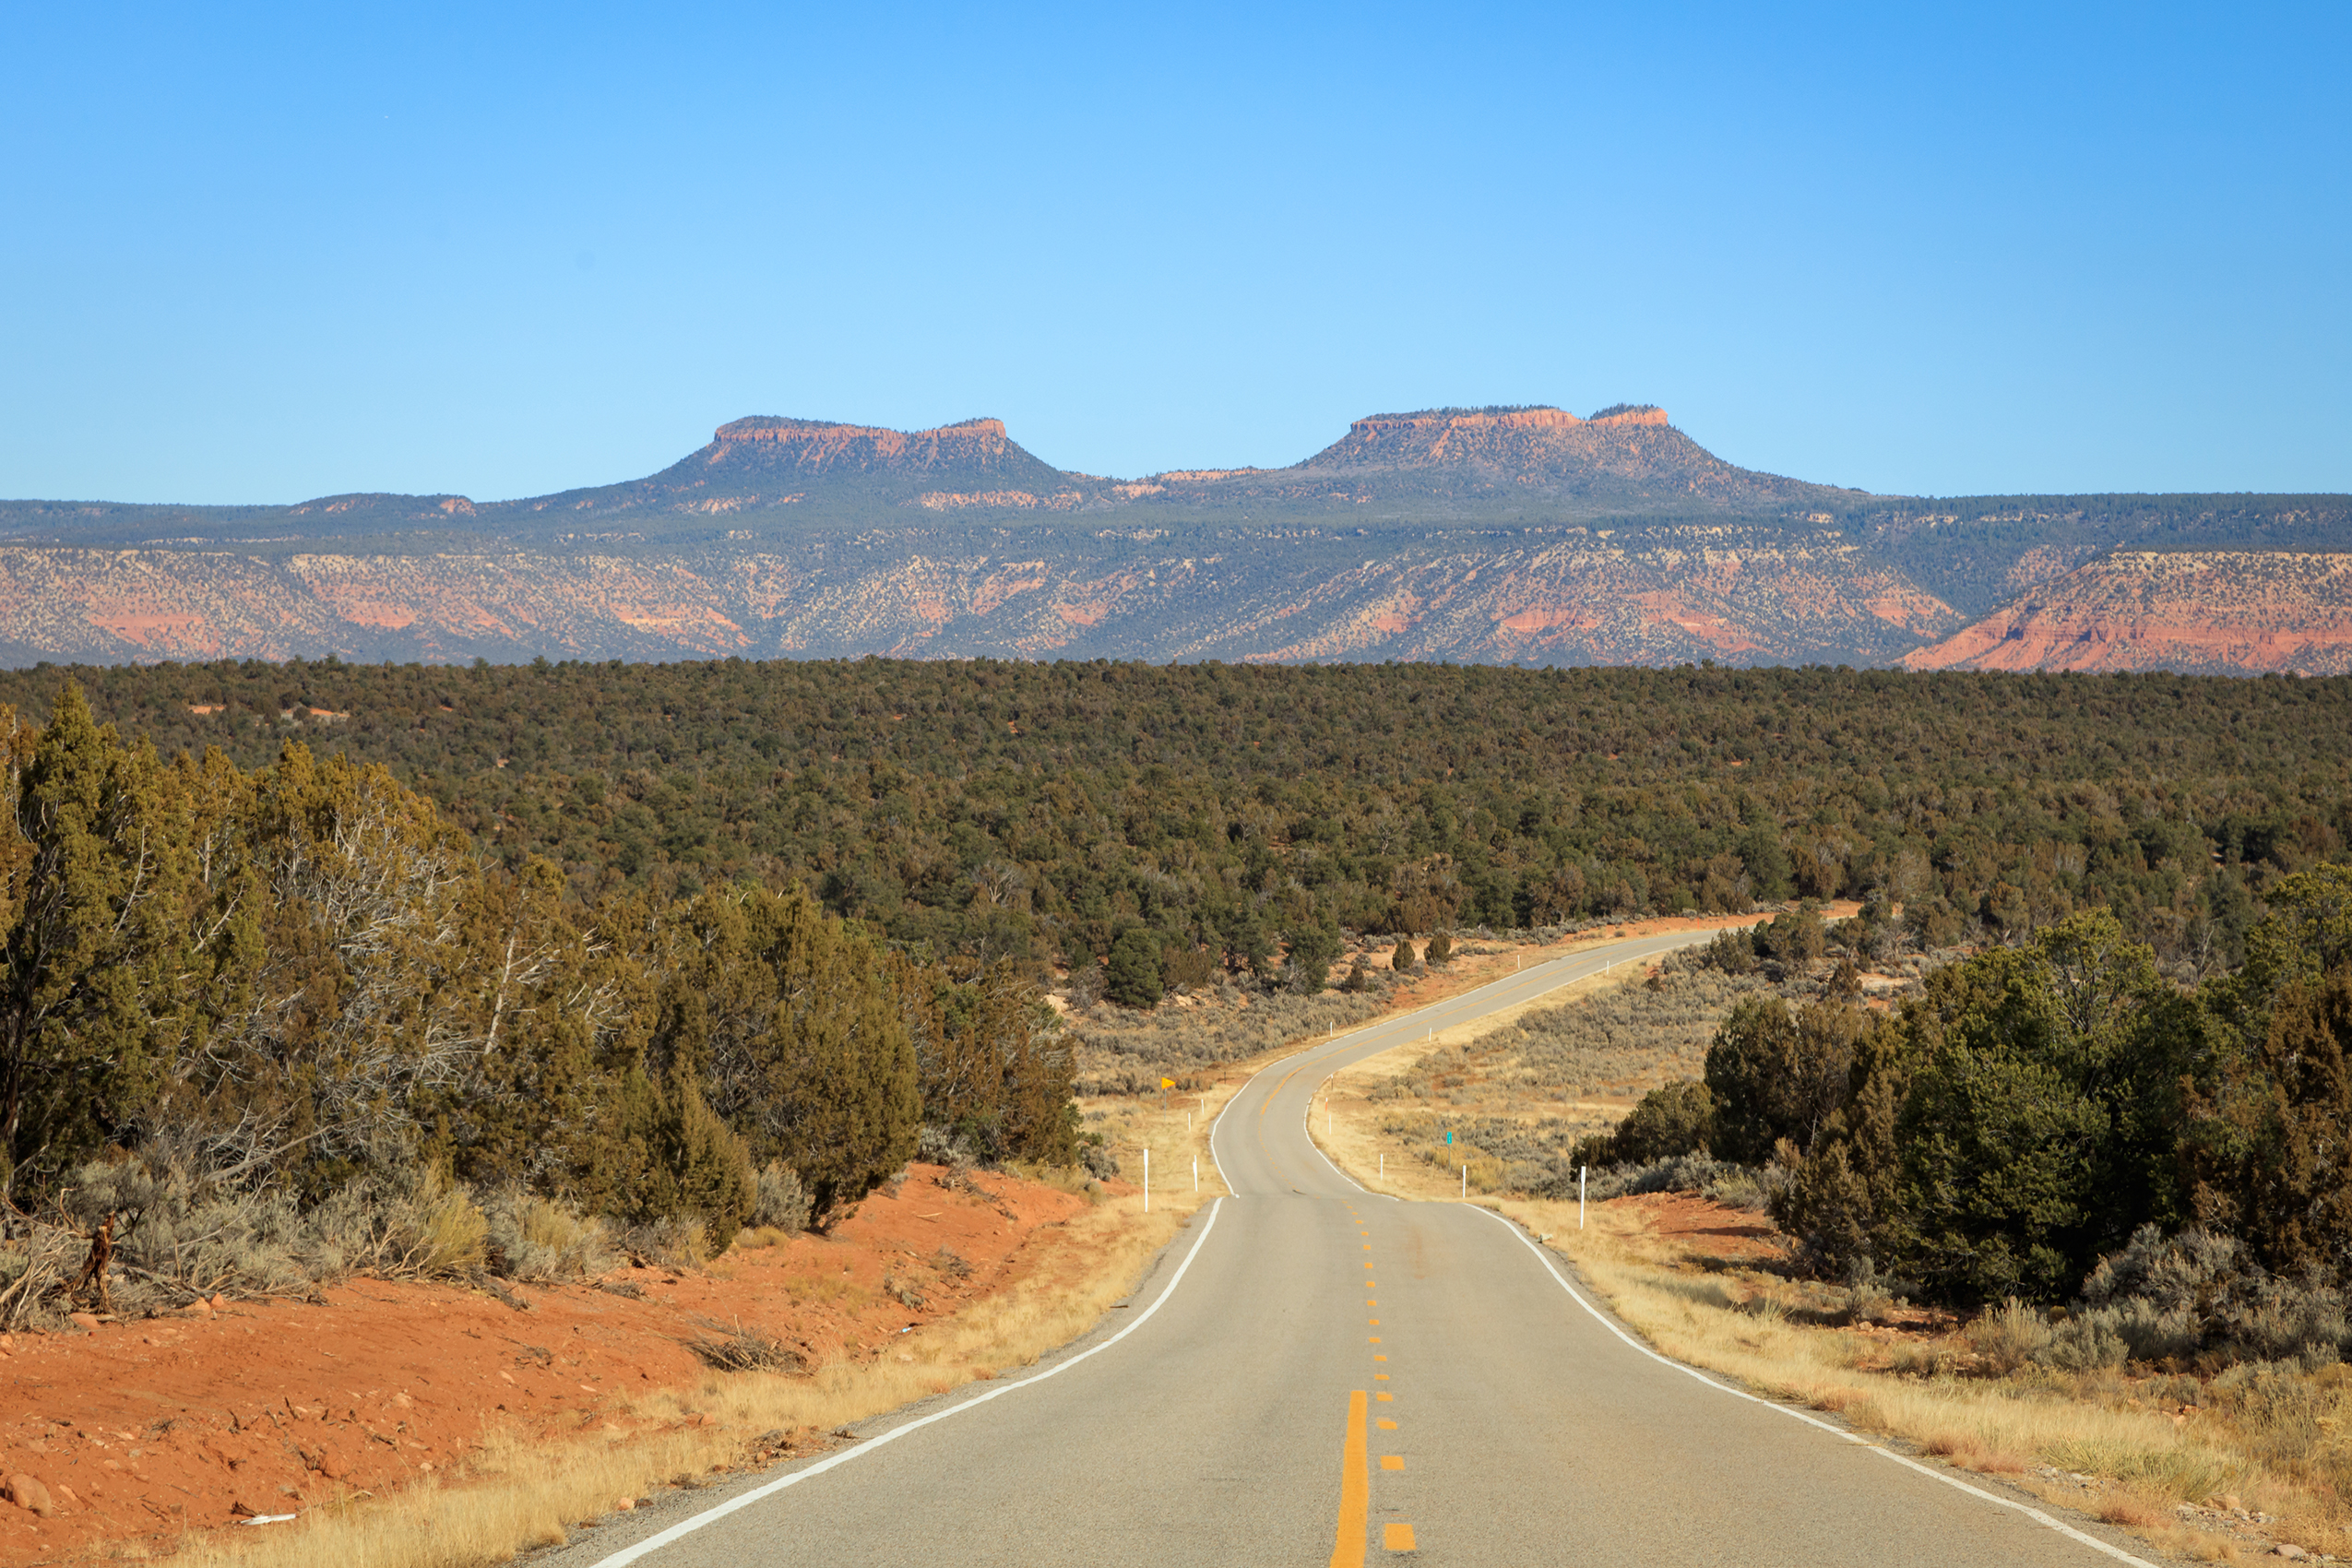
238 1001
1042 812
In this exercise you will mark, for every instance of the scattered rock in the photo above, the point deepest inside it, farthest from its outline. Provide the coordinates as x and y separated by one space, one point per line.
28 1492
2288 1548
82 1320
626 1504
64 1495
243 1509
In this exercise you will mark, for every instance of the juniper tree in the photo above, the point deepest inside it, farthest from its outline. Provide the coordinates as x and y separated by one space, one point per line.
1777 1074
96 883
785 1017
1133 979
993 1064
1311 950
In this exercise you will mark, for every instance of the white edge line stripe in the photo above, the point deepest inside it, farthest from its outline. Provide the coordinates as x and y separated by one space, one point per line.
2031 1513
1326 1086
710 1516
1216 1164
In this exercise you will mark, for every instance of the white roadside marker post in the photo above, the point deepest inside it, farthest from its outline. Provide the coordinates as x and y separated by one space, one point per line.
1147 1178
1384 1165
1580 1197
1196 1173
1465 1183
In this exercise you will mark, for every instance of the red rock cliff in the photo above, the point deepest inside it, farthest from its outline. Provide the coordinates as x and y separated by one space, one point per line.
814 444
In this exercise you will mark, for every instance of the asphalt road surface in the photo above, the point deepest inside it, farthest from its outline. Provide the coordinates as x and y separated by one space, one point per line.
1312 1374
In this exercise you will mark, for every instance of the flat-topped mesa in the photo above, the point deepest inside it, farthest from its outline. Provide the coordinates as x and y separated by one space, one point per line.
765 440
1518 445
770 427
1506 418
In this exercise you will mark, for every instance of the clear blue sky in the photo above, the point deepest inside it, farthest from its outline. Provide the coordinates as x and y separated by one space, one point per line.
261 254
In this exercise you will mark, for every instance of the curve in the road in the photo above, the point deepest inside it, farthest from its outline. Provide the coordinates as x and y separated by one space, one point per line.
1480 1417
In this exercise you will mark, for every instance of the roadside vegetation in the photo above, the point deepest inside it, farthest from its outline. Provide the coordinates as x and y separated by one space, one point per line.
261 1030
315 970
2045 1210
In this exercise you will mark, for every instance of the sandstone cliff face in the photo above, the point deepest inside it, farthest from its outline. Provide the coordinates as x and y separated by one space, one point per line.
2237 611
1523 534
813 446
1577 598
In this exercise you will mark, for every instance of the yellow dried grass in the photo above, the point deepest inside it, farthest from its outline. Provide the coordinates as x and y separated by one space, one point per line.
517 1492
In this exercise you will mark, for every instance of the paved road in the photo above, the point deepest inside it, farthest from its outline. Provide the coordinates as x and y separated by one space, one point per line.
1316 1375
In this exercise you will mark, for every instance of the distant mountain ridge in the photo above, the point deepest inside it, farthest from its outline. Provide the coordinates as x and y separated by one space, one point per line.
2200 613
1508 534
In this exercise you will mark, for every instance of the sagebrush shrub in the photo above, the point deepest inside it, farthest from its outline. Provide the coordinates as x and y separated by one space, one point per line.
781 1202
535 1238
2008 1336
2085 1343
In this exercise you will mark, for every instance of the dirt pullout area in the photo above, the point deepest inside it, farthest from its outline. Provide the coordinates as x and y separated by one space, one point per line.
126 1435
1701 1228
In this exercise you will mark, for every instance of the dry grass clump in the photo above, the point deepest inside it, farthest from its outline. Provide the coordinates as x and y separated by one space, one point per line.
735 1348
536 1239
518 1493
2008 1337
758 1235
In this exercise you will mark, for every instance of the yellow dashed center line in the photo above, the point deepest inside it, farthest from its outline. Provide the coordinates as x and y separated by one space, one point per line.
1355 1491
1391 1461
1397 1537
1385 1398
1385 1424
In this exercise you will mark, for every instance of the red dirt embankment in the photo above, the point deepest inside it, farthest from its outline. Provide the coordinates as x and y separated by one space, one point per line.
144 1428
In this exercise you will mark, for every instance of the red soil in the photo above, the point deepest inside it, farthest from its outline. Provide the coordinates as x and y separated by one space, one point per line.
1702 1227
140 1430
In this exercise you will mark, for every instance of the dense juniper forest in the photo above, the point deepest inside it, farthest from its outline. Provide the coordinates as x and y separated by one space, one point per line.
319 967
